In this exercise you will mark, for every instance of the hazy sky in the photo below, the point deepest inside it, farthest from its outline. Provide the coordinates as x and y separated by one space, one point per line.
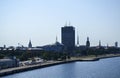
41 21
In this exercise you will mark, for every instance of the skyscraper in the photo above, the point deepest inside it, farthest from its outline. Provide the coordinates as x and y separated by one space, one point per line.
68 37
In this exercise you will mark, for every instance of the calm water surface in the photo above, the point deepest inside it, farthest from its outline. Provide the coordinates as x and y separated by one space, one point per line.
104 68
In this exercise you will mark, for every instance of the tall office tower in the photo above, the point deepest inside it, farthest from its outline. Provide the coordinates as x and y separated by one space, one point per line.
68 38
30 44
87 43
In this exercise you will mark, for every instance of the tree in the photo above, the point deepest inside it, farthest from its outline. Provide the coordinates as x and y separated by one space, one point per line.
1 56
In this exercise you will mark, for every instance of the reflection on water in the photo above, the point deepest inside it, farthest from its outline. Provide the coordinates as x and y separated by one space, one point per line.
105 68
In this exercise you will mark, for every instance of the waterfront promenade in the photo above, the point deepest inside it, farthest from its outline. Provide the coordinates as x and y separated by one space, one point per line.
51 63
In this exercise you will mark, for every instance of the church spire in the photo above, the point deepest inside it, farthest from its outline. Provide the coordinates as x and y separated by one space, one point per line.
99 43
116 44
30 44
56 39
87 43
77 40
87 38
107 45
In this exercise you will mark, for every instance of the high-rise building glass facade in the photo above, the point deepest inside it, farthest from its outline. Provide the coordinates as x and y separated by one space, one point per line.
68 37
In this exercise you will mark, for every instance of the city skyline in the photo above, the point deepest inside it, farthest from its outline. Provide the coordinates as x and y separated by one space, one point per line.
41 21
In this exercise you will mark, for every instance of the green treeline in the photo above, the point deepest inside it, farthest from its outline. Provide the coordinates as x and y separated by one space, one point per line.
27 54
99 51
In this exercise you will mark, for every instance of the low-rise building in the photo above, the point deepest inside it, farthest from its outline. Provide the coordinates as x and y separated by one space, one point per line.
56 47
8 63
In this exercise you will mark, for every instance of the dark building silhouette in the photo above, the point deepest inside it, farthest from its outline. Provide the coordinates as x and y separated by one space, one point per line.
4 46
87 43
78 41
30 44
68 37
116 44
99 43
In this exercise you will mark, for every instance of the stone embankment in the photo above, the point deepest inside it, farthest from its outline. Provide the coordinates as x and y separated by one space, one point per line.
9 71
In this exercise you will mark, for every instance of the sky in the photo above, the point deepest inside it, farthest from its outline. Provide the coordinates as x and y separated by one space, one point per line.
41 21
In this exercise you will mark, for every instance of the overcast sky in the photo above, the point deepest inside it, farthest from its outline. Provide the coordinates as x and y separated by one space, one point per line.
41 21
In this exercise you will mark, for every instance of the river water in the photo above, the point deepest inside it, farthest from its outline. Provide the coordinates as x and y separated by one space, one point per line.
104 68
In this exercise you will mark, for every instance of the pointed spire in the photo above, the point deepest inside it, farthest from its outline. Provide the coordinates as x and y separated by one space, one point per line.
87 38
77 40
56 39
87 43
116 44
30 40
99 43
107 45
4 46
30 44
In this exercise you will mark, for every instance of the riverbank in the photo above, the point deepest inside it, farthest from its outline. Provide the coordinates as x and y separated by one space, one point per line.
51 63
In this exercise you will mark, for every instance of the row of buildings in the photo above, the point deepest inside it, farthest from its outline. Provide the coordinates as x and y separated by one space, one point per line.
67 43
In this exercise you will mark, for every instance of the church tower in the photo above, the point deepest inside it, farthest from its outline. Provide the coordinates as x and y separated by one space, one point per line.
30 44
116 44
87 43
